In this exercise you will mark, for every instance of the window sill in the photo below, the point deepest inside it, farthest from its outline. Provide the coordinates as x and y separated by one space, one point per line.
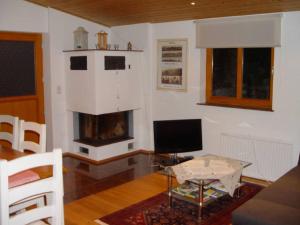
237 107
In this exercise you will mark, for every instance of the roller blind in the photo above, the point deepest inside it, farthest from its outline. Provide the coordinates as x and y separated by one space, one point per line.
241 31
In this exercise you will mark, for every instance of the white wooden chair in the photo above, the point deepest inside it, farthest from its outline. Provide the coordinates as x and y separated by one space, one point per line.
10 137
40 129
53 186
40 147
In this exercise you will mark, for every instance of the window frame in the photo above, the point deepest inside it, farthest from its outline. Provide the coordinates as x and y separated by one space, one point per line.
238 101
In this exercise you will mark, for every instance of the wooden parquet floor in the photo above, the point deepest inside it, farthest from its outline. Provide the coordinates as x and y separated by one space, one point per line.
99 193
86 210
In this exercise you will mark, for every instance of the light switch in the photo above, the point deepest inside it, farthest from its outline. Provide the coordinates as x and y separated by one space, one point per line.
58 90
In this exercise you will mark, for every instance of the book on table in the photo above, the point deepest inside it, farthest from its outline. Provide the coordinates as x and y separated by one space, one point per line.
217 185
191 190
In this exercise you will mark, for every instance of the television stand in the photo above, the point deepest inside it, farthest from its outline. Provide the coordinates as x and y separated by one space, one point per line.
178 159
172 160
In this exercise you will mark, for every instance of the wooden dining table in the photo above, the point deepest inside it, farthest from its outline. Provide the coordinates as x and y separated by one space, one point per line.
11 154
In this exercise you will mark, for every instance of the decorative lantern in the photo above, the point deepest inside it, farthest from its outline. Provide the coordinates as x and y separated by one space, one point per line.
80 38
102 40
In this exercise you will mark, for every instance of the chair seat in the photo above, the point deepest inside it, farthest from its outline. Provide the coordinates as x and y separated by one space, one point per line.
22 178
39 222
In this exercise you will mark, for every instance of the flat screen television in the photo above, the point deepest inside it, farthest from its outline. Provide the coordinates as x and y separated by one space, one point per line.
176 136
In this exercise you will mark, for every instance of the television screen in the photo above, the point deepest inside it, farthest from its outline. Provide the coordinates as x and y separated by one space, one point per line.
175 136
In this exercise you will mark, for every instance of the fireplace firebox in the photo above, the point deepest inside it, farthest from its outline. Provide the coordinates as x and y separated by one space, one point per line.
99 130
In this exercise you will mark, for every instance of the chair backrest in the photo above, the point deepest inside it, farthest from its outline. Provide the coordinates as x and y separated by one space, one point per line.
38 128
52 186
10 137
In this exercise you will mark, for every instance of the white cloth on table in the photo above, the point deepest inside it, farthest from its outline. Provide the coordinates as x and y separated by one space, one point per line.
227 170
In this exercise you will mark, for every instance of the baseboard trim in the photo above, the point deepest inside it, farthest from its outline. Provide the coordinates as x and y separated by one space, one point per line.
103 161
257 181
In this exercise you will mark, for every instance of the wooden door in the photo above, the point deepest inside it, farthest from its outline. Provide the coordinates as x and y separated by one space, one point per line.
21 82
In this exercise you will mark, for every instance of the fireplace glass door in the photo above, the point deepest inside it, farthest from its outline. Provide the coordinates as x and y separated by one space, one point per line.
103 129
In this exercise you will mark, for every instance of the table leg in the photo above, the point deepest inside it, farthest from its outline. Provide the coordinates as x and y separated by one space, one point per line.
238 189
200 201
170 185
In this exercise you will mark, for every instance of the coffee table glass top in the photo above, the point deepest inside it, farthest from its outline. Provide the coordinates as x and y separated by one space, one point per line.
167 170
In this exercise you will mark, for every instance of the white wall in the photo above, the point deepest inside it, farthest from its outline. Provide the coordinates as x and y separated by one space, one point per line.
61 27
18 15
282 124
140 35
57 28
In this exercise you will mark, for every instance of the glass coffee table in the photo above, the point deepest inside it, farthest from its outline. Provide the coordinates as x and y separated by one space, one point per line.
197 191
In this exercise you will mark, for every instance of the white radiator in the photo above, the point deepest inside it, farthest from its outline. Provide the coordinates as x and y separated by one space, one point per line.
270 158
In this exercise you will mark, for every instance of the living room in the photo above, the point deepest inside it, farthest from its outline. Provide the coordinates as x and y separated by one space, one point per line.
277 126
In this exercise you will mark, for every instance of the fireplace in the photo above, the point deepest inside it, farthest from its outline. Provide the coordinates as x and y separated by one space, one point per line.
99 130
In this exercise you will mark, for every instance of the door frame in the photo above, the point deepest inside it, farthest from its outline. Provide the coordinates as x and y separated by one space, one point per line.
39 95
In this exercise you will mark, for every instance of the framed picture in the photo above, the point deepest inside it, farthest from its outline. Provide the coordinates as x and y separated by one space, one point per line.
172 64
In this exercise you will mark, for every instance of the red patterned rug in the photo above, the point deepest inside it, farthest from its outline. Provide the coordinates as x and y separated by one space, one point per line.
155 211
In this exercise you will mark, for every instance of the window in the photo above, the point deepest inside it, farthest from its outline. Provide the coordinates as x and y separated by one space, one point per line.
17 68
239 77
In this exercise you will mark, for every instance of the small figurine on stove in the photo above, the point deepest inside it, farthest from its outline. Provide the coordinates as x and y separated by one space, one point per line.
129 46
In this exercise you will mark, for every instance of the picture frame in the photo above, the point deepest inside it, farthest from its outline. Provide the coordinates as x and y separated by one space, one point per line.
172 64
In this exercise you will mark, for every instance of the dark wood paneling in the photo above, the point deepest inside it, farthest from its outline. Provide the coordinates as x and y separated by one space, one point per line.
121 12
